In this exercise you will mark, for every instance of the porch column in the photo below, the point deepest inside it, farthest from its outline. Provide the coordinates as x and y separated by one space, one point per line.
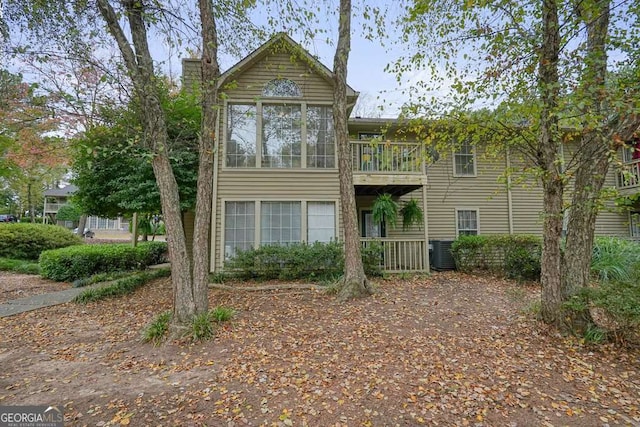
426 228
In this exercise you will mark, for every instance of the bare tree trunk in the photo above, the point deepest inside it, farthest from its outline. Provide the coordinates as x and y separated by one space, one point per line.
355 282
593 163
548 160
210 71
140 66
82 224
32 214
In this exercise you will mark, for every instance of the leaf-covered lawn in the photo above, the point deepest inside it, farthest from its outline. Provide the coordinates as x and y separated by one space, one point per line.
446 350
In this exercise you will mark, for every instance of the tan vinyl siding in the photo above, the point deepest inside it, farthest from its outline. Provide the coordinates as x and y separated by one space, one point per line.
611 222
188 219
191 74
484 192
526 198
249 84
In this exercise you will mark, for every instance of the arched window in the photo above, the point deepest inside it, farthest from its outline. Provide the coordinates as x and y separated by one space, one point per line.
282 87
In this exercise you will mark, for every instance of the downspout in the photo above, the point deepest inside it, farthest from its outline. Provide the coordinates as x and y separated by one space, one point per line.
214 199
509 196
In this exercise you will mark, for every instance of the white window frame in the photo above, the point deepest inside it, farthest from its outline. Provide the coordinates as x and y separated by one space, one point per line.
304 212
462 209
456 152
634 225
303 128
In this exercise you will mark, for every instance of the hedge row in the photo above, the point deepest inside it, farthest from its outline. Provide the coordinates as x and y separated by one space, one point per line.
299 261
28 241
515 256
76 262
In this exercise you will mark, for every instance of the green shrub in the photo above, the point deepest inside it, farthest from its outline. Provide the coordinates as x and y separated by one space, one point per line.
288 262
522 264
121 287
28 241
516 256
316 261
19 266
76 262
100 277
614 259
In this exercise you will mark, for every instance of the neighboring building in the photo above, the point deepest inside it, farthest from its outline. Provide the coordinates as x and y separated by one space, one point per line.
276 177
55 198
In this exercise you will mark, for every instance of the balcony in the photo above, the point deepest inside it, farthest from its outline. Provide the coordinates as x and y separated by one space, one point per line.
628 176
389 166
52 207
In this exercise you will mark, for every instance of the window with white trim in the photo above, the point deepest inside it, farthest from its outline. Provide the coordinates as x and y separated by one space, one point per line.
464 160
281 136
321 222
277 133
241 135
280 223
634 224
467 222
321 137
239 227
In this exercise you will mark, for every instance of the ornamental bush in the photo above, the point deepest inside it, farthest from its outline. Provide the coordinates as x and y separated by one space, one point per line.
314 261
27 241
516 256
76 262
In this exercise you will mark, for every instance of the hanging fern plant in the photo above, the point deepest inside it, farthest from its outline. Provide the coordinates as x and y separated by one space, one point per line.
385 209
411 214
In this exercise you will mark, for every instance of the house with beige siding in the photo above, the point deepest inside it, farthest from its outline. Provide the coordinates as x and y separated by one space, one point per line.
276 177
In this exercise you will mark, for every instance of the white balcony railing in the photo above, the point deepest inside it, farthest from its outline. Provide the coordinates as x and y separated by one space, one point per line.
629 175
399 255
387 157
52 207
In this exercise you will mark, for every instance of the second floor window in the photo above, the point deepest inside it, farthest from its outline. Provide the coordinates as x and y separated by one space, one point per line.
464 160
280 135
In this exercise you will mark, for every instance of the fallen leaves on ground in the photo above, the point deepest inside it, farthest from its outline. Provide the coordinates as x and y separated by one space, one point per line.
446 350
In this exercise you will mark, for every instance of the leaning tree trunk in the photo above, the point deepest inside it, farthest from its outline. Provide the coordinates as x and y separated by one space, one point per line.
552 180
202 228
593 163
355 281
139 64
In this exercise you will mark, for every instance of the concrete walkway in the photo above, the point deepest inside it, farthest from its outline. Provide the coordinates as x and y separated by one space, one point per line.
34 302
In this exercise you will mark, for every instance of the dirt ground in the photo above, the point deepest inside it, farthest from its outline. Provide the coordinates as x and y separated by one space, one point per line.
449 350
15 286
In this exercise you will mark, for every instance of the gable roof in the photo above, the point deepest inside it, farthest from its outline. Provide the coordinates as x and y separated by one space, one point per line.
258 54
64 191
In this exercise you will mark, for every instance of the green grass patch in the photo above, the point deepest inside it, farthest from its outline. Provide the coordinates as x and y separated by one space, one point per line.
19 266
122 286
156 331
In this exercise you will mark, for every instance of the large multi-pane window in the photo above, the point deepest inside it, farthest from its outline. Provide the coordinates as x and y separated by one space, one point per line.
321 142
241 136
321 222
275 132
239 227
280 223
467 222
281 136
277 223
464 163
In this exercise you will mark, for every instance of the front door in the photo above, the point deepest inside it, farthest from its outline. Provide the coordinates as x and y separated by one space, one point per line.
370 228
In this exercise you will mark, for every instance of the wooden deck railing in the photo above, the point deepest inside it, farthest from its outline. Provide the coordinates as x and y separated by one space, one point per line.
399 255
629 175
387 157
